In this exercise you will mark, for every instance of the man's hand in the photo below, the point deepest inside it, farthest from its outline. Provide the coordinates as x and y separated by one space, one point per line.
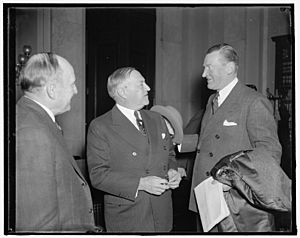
153 184
182 172
226 188
174 178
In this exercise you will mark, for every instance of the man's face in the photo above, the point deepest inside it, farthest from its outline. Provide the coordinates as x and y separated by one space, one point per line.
215 71
136 91
66 89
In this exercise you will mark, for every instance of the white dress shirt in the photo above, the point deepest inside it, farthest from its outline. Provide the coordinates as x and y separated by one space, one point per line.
223 93
129 113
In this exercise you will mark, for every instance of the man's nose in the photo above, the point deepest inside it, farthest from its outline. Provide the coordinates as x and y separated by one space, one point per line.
204 73
75 90
147 87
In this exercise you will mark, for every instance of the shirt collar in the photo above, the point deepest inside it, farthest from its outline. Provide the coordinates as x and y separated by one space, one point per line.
129 113
126 111
50 113
223 93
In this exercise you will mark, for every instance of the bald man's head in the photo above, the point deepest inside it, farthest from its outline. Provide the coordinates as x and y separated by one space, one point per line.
49 79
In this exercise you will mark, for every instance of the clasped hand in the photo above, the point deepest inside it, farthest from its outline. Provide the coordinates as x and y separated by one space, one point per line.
156 185
174 178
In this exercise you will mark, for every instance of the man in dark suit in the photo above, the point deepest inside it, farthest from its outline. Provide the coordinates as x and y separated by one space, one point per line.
237 118
130 158
51 193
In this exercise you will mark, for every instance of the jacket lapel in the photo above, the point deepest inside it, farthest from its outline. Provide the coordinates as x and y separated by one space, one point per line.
150 127
231 102
53 128
153 137
126 130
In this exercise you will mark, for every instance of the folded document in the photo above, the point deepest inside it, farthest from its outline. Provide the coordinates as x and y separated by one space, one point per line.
211 203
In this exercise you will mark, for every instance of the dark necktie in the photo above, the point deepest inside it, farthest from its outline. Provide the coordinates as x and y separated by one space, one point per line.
140 123
215 103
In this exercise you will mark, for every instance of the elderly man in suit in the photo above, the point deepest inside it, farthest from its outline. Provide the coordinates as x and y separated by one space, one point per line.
239 122
52 195
130 158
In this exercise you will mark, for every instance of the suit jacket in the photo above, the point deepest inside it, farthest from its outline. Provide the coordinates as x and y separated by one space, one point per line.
51 192
256 179
243 122
118 156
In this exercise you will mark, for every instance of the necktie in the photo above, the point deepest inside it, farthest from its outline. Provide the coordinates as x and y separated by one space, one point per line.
140 123
215 103
58 126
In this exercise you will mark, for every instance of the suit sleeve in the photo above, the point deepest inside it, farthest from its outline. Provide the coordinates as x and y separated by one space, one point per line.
262 129
172 163
119 183
36 194
189 143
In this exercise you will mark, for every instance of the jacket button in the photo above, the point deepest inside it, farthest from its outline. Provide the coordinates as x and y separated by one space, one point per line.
198 151
211 154
91 210
217 136
207 173
165 147
147 171
82 184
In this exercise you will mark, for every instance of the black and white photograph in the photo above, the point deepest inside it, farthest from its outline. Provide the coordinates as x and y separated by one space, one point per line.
149 118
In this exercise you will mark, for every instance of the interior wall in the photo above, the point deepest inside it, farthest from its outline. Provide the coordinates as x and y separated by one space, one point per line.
68 41
184 35
169 58
26 34
62 31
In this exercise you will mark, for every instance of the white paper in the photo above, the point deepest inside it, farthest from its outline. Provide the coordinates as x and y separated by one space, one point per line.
211 203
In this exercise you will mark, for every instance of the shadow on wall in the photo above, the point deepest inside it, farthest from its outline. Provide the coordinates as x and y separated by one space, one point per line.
200 92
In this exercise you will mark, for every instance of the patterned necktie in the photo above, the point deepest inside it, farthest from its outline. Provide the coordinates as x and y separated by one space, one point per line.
140 123
215 104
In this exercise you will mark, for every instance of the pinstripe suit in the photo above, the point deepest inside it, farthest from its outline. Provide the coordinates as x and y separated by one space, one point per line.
118 156
243 122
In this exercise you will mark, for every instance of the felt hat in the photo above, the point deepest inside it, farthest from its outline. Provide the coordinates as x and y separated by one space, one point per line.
174 117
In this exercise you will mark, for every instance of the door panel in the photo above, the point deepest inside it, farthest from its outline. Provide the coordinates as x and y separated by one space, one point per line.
117 38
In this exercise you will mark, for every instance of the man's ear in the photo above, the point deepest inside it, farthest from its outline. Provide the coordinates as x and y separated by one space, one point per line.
121 92
50 90
230 68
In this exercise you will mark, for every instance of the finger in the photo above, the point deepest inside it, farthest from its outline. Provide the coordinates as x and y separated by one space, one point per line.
163 182
173 186
159 191
175 178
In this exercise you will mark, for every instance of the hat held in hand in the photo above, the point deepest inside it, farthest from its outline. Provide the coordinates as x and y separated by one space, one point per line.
174 118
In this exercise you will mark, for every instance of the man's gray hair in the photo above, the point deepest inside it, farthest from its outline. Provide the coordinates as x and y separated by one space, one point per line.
39 69
116 78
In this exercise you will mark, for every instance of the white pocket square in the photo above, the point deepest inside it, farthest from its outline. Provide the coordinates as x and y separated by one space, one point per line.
163 135
229 123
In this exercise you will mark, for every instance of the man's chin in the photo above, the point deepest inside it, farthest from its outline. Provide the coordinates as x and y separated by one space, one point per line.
210 86
68 108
